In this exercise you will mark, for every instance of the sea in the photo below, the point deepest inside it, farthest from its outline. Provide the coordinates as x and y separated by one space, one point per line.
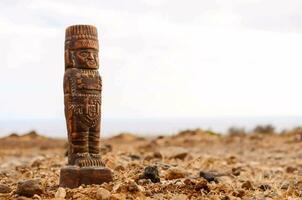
56 128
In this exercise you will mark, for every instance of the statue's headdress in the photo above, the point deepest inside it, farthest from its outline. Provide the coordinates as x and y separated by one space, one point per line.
79 37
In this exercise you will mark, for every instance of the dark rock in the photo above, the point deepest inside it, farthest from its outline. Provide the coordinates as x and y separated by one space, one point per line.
208 176
265 187
5 189
151 172
29 188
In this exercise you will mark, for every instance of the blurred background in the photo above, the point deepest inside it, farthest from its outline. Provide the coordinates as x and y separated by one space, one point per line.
167 65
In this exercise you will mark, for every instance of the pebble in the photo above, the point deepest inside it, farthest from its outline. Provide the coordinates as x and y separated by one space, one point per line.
102 194
61 193
151 172
5 189
208 176
29 188
175 173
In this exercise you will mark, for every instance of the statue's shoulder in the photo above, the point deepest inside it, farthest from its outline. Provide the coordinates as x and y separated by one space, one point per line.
71 72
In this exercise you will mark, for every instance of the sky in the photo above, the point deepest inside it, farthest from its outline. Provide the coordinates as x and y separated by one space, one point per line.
158 58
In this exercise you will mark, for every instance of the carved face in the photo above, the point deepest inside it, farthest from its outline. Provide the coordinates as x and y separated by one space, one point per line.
87 58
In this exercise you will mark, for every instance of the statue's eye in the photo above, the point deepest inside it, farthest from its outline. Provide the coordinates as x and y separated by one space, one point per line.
84 54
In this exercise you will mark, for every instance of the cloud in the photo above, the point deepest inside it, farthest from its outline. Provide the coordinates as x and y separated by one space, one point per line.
158 58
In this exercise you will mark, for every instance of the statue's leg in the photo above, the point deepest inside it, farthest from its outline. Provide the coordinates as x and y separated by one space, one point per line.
78 140
94 145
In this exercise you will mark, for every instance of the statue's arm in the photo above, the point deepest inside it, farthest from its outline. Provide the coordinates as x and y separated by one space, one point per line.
69 83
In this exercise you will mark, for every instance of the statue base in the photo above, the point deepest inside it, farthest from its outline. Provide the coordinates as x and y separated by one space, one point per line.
74 176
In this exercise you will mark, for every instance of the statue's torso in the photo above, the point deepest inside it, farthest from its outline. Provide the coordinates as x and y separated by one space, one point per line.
82 90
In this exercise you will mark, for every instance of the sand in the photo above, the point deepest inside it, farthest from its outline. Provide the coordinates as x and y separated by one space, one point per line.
192 164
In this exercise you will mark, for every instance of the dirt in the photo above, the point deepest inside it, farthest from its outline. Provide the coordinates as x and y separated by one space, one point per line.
192 164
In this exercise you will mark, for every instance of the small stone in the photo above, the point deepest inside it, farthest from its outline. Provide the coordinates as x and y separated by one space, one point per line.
102 194
247 185
151 172
61 193
265 187
29 188
5 189
175 173
208 176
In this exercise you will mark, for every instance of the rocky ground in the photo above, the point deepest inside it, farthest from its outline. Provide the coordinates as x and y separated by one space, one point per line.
192 164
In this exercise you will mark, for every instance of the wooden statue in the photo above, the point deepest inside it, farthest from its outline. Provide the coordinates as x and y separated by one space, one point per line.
82 99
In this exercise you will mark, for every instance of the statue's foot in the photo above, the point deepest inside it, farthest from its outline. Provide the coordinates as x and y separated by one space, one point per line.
97 159
90 162
94 160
